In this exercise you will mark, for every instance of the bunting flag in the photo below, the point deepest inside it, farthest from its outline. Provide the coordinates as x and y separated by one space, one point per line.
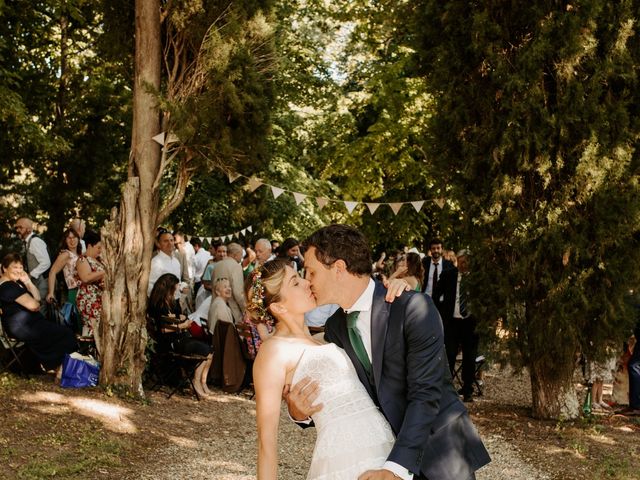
243 232
209 240
299 197
254 184
250 228
418 205
277 191
372 207
350 205
159 139
396 207
322 202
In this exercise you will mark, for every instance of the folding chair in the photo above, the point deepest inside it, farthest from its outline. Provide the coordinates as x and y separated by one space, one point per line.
457 372
16 348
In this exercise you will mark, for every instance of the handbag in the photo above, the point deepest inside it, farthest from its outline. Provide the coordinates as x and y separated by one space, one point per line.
79 371
71 316
54 314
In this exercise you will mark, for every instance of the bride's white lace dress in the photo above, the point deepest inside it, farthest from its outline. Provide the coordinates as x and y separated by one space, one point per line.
352 435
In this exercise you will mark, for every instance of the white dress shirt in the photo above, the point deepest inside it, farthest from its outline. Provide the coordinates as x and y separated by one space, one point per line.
201 259
161 264
364 305
38 249
432 265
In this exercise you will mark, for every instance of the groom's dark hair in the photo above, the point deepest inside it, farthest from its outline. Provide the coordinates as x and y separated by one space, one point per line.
341 242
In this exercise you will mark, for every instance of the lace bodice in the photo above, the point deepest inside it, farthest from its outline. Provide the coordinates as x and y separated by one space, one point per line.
353 436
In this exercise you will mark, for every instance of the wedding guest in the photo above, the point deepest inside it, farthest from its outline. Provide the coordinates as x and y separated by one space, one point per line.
172 329
201 259
230 269
91 274
70 252
22 320
290 250
37 257
219 309
409 268
434 265
80 228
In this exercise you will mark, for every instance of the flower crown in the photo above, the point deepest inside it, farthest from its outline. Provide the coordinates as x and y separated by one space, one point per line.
256 302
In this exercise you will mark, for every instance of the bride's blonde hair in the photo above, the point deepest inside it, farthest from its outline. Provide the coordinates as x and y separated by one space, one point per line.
262 288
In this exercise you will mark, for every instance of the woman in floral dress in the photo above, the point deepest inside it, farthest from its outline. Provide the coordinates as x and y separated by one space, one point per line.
91 273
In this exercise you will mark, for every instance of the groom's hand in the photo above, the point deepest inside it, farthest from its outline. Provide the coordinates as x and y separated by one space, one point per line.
377 475
300 398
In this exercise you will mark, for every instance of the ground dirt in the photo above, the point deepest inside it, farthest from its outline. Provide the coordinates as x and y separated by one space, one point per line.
50 432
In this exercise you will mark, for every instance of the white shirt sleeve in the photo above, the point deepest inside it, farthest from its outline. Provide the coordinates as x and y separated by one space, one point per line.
154 274
398 470
39 250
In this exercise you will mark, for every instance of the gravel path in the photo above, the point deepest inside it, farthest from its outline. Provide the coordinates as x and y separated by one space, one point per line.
222 446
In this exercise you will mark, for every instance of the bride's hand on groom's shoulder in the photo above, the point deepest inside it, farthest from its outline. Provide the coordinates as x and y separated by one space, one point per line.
300 399
395 287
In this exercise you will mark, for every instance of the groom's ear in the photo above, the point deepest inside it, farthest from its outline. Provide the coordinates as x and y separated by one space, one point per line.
341 266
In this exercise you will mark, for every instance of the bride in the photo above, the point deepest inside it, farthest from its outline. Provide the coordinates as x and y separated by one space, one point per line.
352 435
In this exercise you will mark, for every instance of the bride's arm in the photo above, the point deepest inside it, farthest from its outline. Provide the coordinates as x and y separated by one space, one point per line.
269 374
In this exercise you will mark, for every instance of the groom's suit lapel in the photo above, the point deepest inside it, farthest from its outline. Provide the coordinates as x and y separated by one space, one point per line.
379 324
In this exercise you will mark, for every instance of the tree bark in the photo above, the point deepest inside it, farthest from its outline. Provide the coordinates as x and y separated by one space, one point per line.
552 390
128 236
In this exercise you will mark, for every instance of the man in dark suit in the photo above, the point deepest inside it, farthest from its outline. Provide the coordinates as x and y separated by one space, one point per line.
451 298
434 265
398 352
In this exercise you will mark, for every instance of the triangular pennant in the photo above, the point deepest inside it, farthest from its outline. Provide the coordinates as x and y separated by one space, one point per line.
159 138
250 228
350 205
439 202
253 184
233 176
396 207
322 202
216 238
418 205
299 197
372 207
243 231
277 191
171 138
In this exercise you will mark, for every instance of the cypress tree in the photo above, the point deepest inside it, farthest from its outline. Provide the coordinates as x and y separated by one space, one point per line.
536 133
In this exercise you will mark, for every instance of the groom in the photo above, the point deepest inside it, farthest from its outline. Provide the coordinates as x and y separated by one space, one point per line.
398 352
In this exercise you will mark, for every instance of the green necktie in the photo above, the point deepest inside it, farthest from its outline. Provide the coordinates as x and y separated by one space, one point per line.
356 342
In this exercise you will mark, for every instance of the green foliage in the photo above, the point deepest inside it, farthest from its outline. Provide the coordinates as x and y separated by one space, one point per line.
536 132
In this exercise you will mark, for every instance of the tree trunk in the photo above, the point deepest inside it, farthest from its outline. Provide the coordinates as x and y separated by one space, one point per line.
128 237
552 390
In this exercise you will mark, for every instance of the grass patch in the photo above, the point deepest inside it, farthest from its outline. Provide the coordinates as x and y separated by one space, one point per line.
72 456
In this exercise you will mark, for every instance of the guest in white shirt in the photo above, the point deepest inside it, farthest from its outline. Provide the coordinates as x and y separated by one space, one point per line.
38 261
201 259
263 251
165 260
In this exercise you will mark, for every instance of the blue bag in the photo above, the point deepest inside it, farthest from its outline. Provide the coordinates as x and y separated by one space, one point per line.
71 316
79 371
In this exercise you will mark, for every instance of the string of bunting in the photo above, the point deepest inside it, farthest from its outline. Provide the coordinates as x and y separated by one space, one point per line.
228 236
254 183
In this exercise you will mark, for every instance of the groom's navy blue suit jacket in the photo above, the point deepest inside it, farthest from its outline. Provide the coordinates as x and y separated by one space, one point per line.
412 386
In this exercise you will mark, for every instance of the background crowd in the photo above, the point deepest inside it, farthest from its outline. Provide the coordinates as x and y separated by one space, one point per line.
197 305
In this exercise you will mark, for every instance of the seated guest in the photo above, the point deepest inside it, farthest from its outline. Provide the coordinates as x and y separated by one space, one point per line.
21 318
219 308
91 274
172 329
230 269
70 251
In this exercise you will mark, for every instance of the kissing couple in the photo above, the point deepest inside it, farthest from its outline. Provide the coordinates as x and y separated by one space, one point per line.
378 392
